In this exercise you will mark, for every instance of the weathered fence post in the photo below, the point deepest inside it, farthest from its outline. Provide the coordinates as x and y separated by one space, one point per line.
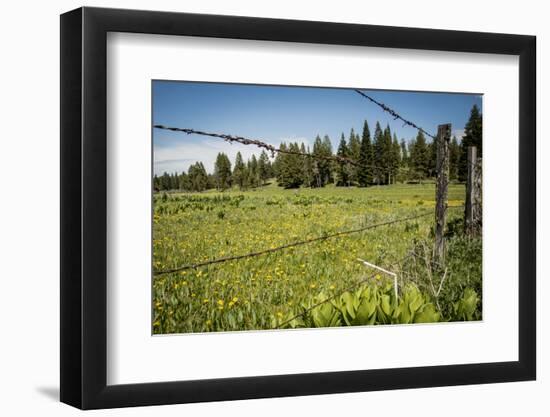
472 211
441 191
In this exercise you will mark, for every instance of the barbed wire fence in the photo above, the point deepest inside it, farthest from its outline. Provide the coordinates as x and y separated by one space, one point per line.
394 114
267 146
441 197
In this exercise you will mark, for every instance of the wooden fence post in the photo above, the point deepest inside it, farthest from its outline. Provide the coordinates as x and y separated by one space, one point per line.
441 191
472 212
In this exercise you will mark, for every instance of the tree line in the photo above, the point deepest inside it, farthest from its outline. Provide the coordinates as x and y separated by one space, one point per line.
250 174
381 160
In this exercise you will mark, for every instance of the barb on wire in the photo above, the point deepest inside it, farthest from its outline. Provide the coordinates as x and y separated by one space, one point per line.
332 297
394 114
288 245
272 149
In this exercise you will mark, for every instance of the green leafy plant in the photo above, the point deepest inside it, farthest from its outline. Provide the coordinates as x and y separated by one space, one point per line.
466 308
370 304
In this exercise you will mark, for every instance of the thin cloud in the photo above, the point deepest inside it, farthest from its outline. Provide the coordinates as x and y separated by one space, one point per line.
180 156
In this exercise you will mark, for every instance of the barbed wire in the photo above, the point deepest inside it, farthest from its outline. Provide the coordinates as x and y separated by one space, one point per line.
346 289
394 114
288 245
271 148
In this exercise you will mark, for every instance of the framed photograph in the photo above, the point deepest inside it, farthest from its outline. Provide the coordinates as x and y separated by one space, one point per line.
257 208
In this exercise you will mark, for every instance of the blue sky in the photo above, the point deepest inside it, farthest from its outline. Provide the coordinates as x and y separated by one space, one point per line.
275 114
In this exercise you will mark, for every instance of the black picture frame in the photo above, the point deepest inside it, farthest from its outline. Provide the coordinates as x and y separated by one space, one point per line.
84 207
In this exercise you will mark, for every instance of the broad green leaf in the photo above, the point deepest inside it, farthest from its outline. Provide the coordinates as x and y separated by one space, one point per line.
385 304
428 314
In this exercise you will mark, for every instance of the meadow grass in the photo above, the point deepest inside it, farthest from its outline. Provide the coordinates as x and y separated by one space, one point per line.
253 293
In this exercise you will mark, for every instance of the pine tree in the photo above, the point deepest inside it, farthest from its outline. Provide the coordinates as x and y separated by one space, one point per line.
291 175
404 153
327 164
156 183
198 178
472 137
395 158
454 158
307 168
175 181
165 182
343 172
239 171
263 167
354 146
247 183
278 164
366 158
316 166
210 181
432 158
222 171
202 177
387 155
321 168
191 175
473 130
379 156
182 181
253 172
419 157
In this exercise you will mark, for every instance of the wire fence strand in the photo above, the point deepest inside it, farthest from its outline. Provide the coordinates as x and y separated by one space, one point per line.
267 146
394 114
289 245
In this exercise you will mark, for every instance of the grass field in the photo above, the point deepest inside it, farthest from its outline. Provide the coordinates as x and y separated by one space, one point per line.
264 291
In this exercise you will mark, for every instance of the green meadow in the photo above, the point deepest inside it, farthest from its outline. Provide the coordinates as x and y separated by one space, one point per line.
317 284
